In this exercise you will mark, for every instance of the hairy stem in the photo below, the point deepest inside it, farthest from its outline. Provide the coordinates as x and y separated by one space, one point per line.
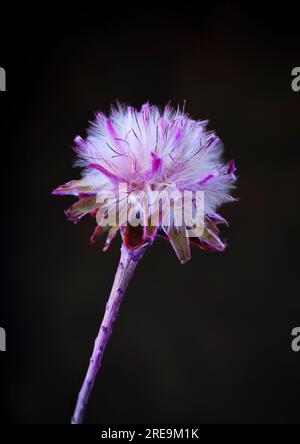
128 262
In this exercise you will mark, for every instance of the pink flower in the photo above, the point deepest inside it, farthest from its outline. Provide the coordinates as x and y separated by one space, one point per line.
150 150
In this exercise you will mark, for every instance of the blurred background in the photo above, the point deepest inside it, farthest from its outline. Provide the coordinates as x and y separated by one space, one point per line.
207 342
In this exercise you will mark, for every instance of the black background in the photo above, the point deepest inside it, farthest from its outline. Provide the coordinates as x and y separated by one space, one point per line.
207 342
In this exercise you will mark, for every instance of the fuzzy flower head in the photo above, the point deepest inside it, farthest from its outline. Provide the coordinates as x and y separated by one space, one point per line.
146 173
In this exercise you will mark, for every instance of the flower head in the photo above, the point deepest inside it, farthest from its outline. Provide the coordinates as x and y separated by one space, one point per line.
147 171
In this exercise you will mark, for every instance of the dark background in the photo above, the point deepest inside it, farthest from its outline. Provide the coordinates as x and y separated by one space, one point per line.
207 342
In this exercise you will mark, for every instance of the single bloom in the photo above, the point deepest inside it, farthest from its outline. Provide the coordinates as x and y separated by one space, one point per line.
151 153
147 173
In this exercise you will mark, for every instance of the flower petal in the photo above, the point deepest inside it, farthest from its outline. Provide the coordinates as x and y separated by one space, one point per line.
211 225
103 217
99 230
231 168
150 231
110 236
217 219
208 241
112 177
180 242
157 164
81 207
133 237
74 188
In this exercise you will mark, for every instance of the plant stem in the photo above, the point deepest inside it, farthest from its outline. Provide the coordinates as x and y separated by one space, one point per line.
128 262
